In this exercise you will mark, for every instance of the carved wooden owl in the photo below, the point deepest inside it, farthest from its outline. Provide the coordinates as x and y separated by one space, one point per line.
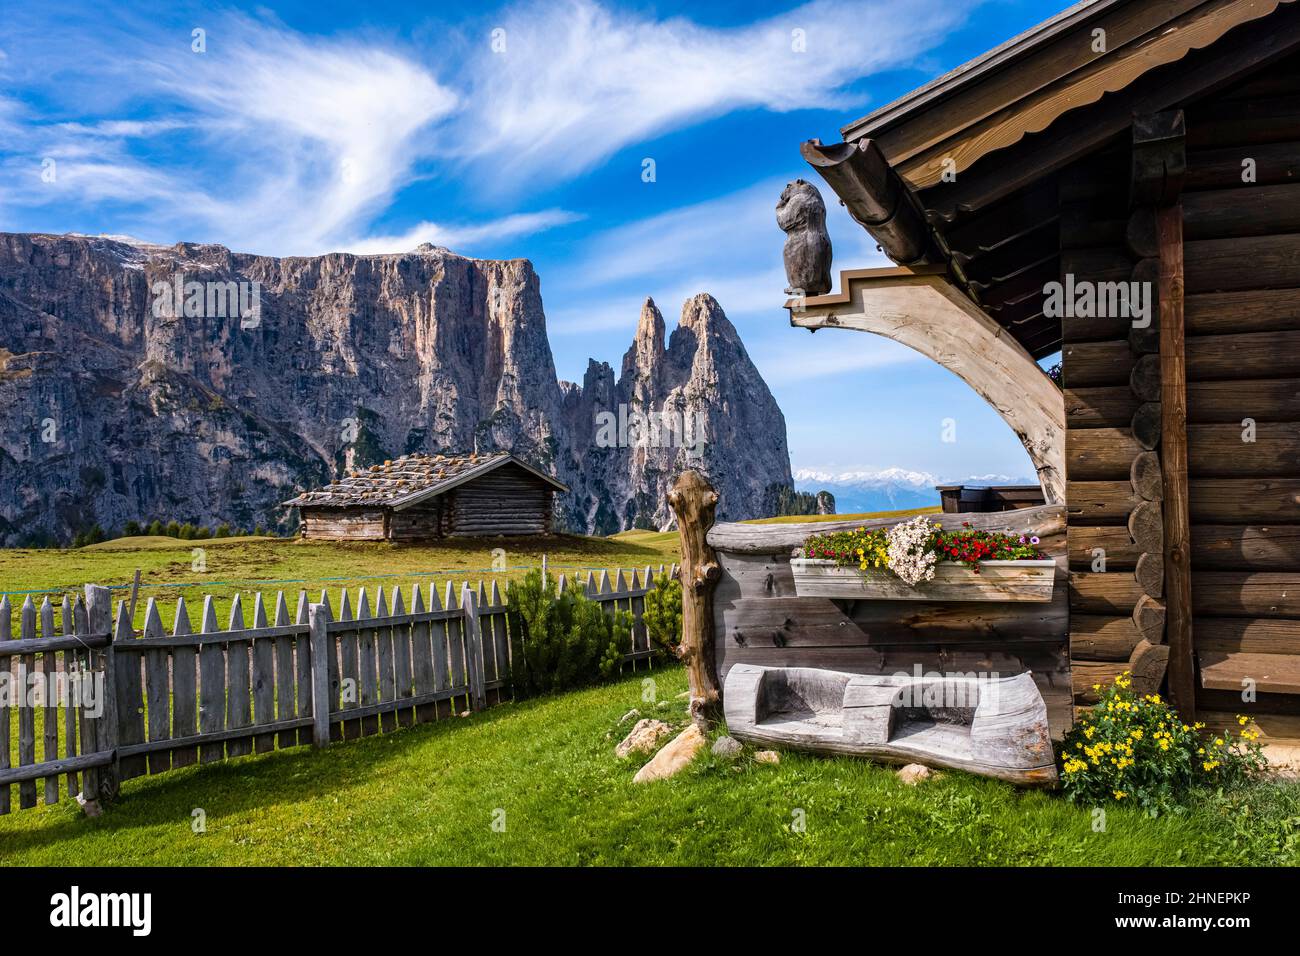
801 214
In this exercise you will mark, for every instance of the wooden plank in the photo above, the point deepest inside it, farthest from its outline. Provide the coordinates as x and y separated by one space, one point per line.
1249 262
1246 635
442 635
1270 449
49 671
1246 594
1100 502
238 682
263 679
212 685
385 652
26 714
997 581
1245 355
1114 592
422 657
367 664
1102 637
501 639
157 690
456 638
1245 547
1270 725
1244 500
1263 210
1223 168
1100 454
1106 406
1117 549
1263 673
1175 459
1247 310
285 674
185 715
302 668
404 686
473 648
349 668
318 618
68 626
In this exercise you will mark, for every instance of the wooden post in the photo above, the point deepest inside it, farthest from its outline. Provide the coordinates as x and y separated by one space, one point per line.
694 502
1173 453
473 648
318 624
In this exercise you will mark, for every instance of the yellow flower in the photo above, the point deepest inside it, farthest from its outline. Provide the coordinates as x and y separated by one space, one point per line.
1242 720
1120 794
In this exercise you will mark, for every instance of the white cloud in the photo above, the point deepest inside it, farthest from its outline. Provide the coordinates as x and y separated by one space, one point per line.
457 237
575 84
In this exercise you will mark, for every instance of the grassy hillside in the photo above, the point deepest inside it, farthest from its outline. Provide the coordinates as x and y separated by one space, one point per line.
243 564
429 796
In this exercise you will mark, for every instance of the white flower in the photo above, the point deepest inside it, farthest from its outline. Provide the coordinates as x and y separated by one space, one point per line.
907 550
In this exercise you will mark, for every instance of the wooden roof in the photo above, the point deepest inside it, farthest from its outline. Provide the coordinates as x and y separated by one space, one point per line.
1012 122
409 480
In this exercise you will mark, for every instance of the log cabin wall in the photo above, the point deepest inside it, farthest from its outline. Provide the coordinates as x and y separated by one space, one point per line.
417 523
508 500
343 524
1242 315
759 619
1111 381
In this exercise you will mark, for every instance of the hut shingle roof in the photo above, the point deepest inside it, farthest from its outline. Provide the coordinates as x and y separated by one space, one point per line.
395 482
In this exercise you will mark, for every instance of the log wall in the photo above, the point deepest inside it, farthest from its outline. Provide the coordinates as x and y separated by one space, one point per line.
1242 253
506 501
1110 374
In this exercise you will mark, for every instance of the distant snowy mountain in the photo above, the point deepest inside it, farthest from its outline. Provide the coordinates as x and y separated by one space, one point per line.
892 489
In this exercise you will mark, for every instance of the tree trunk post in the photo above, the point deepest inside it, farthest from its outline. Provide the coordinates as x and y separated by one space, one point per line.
694 502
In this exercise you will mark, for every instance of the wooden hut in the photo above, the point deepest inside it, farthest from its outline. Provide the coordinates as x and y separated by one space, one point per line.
1118 184
418 497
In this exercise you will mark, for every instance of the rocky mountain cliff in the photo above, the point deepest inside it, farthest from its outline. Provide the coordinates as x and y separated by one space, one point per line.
123 401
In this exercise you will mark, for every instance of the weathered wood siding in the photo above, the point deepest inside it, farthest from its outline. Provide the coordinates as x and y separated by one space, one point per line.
758 618
343 524
508 500
417 523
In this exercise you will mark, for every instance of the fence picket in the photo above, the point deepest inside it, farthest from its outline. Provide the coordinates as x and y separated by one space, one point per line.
49 673
285 708
441 653
350 689
157 693
212 685
384 654
302 670
184 688
263 678
368 673
26 713
456 640
68 624
403 677
238 683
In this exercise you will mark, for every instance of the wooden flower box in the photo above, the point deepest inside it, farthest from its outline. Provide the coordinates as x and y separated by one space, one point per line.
996 581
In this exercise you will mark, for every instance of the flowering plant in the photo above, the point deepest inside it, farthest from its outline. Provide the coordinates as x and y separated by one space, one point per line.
912 549
1136 749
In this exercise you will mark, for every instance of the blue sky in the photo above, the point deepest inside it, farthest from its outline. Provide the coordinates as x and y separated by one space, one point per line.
513 130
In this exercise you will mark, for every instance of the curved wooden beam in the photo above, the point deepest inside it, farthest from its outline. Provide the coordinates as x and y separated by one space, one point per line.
918 308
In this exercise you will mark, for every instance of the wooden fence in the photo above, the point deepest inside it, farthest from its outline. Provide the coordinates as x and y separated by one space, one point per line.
132 703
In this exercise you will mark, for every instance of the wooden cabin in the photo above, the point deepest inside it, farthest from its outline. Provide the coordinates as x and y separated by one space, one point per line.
420 497
1118 185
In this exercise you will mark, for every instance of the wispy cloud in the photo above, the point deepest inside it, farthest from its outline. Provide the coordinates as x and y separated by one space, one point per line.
458 237
564 88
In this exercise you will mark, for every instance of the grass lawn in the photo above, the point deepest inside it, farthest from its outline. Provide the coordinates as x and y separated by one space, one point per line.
428 795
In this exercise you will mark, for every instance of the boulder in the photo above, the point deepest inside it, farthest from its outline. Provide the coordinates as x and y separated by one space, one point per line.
914 773
727 747
679 752
644 738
